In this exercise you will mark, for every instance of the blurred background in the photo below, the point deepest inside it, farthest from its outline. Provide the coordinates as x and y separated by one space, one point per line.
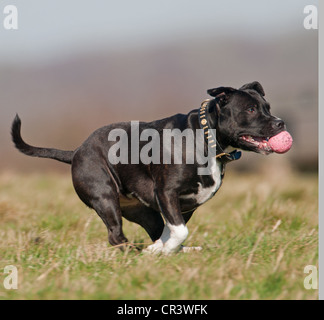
73 66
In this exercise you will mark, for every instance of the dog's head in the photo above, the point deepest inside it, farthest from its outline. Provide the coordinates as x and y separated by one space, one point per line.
244 120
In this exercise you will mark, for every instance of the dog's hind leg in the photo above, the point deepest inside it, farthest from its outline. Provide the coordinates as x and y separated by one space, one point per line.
147 218
186 216
97 189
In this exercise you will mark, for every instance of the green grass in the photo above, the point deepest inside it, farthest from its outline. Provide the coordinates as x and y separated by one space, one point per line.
258 233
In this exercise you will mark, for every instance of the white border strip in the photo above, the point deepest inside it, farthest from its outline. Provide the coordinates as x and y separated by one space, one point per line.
320 153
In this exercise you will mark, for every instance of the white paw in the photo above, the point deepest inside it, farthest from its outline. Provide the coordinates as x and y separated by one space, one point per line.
170 241
154 248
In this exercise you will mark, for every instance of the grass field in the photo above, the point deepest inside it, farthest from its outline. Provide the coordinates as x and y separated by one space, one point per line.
258 233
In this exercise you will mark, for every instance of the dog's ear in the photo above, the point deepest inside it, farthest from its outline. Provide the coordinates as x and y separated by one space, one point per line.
221 91
255 85
222 95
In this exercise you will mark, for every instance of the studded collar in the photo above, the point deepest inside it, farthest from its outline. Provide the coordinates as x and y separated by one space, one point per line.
210 137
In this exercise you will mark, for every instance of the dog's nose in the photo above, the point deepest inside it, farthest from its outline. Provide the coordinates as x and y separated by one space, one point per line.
278 124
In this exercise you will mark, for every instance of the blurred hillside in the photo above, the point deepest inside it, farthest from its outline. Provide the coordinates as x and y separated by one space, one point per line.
62 102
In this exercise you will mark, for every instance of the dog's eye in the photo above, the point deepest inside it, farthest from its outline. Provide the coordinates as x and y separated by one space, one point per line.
251 109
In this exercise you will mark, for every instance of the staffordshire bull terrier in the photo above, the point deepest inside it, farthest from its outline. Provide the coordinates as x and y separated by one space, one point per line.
162 195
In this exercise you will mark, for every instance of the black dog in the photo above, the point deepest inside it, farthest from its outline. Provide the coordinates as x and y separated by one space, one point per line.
141 192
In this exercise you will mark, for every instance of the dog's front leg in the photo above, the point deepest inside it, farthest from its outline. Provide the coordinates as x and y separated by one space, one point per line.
170 241
175 230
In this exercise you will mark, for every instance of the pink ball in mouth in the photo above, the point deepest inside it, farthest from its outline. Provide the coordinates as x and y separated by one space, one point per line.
281 142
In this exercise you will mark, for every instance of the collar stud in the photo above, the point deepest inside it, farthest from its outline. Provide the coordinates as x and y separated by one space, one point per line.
220 154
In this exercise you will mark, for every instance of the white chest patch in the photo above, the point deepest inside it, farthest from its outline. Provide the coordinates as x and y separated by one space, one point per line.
205 194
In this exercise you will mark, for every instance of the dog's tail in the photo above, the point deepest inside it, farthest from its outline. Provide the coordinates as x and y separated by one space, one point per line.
60 155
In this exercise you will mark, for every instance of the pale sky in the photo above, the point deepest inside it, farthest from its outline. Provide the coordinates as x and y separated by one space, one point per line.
52 28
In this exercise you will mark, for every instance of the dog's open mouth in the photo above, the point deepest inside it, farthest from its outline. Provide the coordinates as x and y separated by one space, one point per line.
258 142
279 143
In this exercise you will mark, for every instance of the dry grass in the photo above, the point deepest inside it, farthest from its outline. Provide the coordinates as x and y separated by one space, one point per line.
258 234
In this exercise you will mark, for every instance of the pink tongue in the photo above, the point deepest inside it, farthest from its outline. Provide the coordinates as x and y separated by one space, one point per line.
281 143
